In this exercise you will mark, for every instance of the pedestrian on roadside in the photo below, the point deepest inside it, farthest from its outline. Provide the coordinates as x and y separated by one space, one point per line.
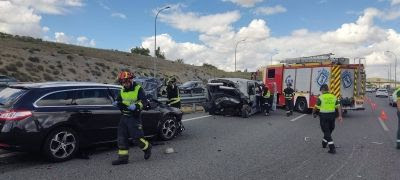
288 92
130 101
327 107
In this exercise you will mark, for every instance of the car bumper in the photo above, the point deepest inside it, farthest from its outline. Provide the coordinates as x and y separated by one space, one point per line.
28 142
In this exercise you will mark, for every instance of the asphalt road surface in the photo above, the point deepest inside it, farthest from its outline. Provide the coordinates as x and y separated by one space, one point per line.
217 147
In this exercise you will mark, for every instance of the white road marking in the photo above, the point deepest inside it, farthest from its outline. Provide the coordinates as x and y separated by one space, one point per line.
297 118
201 117
383 124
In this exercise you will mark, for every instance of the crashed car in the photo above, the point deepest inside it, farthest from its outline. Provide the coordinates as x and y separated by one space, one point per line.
152 86
232 96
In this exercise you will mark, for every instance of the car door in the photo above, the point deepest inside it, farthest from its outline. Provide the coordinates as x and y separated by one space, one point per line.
98 118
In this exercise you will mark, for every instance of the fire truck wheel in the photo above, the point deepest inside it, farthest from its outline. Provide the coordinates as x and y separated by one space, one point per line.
301 105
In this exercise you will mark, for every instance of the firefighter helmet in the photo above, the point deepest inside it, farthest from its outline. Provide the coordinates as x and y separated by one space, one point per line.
125 76
324 87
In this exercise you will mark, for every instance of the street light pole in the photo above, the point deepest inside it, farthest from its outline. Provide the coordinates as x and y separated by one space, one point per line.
155 39
236 49
395 69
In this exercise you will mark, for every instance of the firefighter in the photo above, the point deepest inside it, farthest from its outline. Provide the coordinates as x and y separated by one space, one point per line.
173 94
130 102
327 106
398 117
288 92
266 103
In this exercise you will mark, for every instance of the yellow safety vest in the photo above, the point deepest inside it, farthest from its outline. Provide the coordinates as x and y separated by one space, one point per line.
328 103
131 97
267 94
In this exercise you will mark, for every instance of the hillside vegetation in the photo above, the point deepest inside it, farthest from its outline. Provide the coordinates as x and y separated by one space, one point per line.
34 60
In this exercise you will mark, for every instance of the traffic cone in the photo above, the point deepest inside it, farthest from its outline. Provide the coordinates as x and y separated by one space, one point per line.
383 116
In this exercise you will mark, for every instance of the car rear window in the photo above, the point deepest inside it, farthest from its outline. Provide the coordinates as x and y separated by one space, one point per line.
56 99
9 96
93 97
382 90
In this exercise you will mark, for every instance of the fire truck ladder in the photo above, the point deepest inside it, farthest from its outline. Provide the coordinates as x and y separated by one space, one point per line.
316 59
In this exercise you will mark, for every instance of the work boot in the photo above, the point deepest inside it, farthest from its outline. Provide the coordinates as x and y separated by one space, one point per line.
147 152
332 149
324 143
121 160
266 114
398 146
287 113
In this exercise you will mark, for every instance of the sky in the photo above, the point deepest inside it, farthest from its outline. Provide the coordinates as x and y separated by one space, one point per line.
207 31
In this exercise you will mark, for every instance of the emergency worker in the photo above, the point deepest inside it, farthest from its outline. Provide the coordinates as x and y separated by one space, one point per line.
288 92
327 106
266 103
130 102
173 94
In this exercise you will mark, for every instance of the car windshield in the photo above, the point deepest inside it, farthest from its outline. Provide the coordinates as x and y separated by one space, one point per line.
9 96
382 90
188 84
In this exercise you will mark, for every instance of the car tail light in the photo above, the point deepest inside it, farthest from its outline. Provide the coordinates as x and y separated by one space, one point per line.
14 115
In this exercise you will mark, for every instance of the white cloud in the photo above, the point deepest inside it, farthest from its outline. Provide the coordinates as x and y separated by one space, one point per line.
84 41
244 3
49 6
62 38
362 38
104 6
118 15
270 10
208 24
45 29
26 23
394 2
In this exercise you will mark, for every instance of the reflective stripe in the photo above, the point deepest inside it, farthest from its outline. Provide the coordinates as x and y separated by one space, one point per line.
324 140
326 111
330 142
146 143
175 100
122 152
398 140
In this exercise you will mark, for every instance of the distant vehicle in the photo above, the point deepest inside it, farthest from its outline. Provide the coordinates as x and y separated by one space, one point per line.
58 118
6 81
232 96
191 87
151 85
382 93
393 99
370 90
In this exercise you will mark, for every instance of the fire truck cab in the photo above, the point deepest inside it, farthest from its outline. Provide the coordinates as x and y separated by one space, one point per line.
306 74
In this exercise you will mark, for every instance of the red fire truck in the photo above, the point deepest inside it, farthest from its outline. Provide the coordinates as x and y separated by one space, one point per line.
306 74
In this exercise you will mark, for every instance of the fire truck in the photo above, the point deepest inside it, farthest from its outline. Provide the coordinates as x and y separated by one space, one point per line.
306 74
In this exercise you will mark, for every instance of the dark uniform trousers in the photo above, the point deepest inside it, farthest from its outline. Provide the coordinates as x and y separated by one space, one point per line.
327 122
289 105
130 127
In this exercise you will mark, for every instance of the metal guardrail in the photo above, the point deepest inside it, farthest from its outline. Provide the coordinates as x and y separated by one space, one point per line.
188 100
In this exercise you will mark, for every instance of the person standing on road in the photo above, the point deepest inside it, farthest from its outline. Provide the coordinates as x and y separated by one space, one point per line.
173 94
130 102
266 101
327 106
398 117
288 92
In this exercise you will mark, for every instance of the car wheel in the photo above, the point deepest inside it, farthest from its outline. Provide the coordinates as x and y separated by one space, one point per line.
245 111
168 128
301 105
61 145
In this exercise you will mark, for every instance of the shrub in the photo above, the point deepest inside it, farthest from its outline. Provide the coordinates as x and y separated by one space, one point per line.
62 52
34 59
47 77
12 67
52 67
40 68
56 72
19 64
69 57
71 70
96 73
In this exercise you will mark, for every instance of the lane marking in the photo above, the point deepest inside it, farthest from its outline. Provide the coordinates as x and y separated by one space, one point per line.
201 117
383 124
297 118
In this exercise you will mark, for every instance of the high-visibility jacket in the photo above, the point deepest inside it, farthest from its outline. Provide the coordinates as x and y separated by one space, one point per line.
327 103
267 94
131 97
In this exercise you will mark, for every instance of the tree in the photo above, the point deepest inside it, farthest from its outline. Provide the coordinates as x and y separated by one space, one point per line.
141 51
160 54
180 61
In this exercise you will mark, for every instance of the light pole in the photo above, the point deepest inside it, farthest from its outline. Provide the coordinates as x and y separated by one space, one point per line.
273 54
155 39
236 49
395 67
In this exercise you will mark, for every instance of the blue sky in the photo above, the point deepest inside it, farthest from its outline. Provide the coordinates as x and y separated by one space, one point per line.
206 31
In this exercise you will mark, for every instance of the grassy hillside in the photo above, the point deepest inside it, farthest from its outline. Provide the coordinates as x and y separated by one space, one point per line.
29 59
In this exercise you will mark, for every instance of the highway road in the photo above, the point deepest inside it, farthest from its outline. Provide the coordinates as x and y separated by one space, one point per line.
218 147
